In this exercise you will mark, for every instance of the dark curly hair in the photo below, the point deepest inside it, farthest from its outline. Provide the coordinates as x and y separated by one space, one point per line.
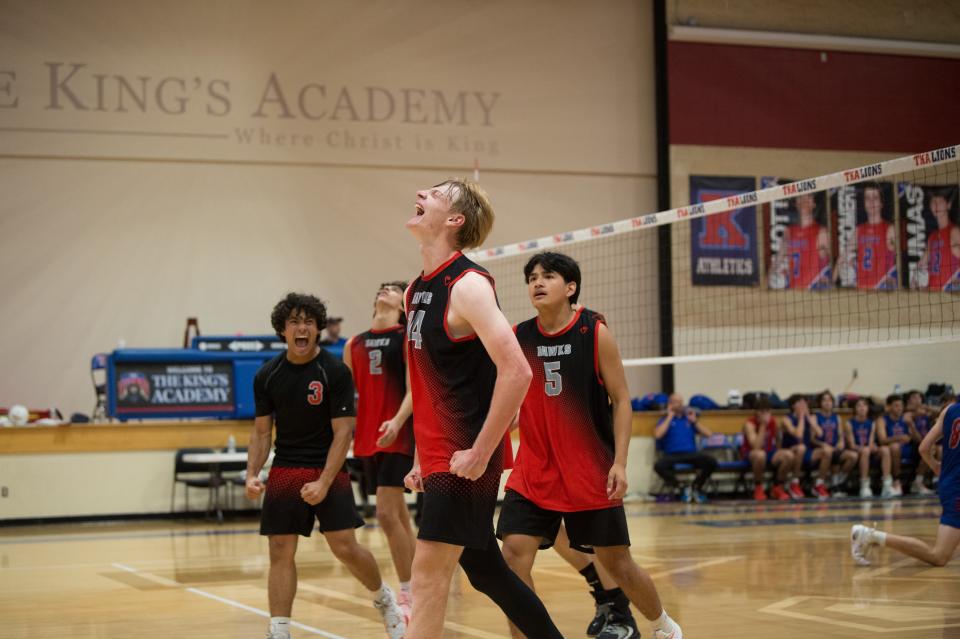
293 304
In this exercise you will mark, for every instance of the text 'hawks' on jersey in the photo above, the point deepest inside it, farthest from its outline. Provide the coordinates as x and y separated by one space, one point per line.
451 379
380 377
303 398
566 429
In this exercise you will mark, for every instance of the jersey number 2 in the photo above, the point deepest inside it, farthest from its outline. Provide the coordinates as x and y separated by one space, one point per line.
315 396
376 359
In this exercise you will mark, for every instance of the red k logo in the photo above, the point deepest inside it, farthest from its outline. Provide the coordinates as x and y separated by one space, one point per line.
722 231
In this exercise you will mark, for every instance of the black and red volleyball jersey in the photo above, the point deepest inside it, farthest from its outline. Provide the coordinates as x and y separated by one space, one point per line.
566 428
451 379
303 398
380 378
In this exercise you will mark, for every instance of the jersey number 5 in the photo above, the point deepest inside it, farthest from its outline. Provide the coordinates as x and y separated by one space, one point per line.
554 384
315 396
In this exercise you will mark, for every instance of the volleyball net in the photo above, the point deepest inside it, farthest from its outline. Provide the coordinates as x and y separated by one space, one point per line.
862 258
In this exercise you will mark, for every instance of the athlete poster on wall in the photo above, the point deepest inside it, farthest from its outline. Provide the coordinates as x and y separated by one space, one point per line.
798 251
723 246
866 236
930 228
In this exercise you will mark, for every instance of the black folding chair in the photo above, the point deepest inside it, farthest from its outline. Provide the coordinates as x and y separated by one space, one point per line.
194 475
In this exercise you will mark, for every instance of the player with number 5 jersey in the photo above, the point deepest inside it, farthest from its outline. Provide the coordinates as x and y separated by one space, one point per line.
572 461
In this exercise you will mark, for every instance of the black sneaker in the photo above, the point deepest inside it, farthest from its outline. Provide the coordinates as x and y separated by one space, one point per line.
619 626
600 620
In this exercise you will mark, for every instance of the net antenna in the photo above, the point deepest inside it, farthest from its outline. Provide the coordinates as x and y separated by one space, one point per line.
848 304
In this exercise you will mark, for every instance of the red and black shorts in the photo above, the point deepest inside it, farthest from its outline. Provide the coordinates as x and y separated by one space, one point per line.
285 513
585 528
385 469
459 511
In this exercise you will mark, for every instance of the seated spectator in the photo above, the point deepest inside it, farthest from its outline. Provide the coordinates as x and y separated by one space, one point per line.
760 448
826 447
893 432
793 434
860 433
920 416
676 437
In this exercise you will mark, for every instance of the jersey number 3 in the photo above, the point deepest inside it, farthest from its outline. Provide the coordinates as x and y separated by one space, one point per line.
315 396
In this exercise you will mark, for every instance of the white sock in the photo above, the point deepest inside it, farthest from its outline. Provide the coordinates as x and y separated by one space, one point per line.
878 537
819 482
888 481
663 622
382 593
405 587
280 625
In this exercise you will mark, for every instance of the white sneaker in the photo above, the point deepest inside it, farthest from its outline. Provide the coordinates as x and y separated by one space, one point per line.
865 491
393 619
676 633
860 543
887 491
405 601
277 635
920 488
897 490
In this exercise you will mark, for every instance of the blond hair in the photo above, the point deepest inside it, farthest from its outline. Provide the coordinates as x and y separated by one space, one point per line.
468 198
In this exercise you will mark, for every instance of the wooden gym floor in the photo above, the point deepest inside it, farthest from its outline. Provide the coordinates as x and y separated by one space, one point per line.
724 570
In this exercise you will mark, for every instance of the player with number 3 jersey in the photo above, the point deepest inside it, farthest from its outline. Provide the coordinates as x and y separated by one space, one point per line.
307 394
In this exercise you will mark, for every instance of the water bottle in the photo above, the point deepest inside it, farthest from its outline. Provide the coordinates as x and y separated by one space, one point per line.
232 444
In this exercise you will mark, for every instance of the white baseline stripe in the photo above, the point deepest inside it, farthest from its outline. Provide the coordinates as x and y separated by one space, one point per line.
224 600
163 581
466 630
262 613
696 566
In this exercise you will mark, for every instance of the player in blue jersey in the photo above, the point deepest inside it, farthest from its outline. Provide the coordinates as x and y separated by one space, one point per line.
827 448
920 414
864 538
860 432
793 435
893 431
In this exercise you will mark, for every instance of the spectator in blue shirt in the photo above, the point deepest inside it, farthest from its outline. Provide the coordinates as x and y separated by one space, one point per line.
332 342
676 440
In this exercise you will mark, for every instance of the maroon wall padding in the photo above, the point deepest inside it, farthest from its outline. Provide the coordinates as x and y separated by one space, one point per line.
723 95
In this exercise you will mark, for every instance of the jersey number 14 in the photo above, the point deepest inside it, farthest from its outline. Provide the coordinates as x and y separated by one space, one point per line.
414 326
